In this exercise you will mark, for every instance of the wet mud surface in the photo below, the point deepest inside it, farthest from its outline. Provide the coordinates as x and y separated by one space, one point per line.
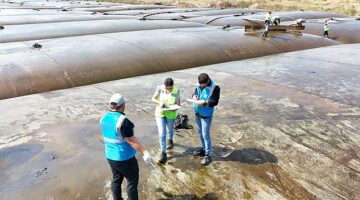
287 125
286 128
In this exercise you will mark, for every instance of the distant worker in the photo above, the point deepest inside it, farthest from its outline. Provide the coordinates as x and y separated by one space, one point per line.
164 96
326 29
267 23
300 21
276 20
206 96
268 17
120 148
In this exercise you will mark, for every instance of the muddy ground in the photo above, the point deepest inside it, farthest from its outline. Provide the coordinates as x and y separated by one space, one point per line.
287 127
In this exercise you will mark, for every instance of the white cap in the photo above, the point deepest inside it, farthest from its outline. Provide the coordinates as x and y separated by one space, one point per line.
118 99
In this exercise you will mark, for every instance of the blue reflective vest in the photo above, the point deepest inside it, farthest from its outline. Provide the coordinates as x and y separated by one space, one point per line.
116 146
205 94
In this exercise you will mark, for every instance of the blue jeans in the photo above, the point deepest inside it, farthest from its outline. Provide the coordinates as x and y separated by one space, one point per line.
203 125
165 128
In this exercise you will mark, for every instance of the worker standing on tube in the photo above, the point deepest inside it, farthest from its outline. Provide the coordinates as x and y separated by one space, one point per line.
326 28
267 23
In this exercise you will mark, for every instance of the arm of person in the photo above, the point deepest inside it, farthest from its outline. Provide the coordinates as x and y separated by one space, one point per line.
127 131
214 99
200 102
134 143
194 96
155 97
178 98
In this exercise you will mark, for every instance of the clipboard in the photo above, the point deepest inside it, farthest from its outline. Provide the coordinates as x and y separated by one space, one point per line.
171 107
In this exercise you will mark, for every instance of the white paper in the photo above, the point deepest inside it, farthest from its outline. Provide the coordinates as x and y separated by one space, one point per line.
191 100
172 107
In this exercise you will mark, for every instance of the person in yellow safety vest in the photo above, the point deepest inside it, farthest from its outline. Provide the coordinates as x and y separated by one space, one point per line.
164 96
326 29
268 17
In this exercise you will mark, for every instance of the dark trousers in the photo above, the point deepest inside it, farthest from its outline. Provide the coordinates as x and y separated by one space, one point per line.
128 169
326 34
267 26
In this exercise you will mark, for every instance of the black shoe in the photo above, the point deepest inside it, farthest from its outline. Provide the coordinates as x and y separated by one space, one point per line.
200 152
206 160
170 144
163 158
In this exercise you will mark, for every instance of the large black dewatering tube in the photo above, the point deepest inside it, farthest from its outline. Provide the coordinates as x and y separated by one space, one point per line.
76 61
27 32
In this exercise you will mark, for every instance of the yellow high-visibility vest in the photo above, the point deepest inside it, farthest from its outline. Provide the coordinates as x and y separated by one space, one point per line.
326 27
167 99
268 17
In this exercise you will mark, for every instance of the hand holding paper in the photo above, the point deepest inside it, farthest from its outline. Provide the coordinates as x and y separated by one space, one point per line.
191 100
199 102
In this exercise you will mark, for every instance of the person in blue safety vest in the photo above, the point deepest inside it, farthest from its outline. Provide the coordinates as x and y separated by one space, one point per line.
206 96
120 148
166 95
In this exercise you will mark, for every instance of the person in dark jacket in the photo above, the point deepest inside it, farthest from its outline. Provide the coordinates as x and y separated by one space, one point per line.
206 96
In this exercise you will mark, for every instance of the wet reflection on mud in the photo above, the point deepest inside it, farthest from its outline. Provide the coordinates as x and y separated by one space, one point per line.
17 155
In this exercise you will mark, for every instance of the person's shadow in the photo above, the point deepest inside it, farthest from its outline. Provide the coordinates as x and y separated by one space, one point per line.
245 155
252 156
168 196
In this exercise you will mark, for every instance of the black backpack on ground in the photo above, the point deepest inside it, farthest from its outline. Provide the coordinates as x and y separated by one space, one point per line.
182 122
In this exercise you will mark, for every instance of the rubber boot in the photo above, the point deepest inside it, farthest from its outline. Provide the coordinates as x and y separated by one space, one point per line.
200 152
206 160
163 158
170 144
